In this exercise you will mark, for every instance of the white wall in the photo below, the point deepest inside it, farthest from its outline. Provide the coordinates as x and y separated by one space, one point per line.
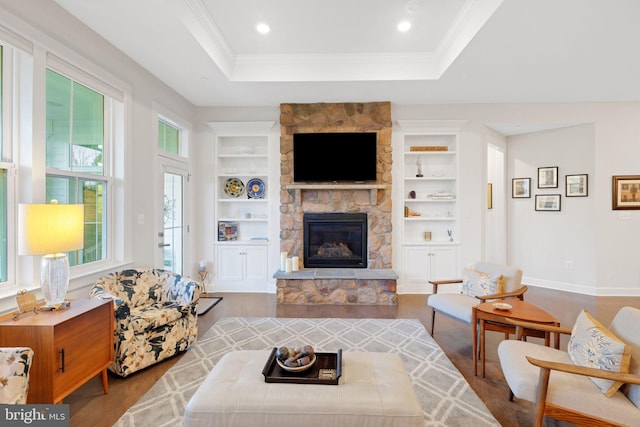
555 249
495 239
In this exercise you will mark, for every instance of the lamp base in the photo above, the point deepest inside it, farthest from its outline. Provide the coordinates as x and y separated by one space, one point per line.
54 278
56 307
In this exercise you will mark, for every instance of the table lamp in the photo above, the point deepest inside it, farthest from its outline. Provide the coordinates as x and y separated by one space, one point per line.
51 230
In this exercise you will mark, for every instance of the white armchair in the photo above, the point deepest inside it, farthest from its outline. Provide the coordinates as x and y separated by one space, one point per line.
595 382
481 282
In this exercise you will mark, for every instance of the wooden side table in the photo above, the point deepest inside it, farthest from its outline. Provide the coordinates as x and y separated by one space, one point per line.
492 319
70 346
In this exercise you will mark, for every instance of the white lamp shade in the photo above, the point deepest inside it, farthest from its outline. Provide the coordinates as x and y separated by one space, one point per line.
50 228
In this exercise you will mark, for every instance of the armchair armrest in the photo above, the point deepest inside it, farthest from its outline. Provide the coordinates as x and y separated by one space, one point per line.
437 283
585 371
185 291
101 293
518 293
538 326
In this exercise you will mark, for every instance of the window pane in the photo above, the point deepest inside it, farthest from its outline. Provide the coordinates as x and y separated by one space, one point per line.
75 126
173 222
88 129
168 138
3 225
58 121
92 195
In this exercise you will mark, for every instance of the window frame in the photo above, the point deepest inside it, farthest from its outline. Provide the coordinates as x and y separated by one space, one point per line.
6 159
115 167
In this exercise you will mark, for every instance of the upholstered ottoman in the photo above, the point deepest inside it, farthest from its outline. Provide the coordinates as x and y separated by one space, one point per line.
374 390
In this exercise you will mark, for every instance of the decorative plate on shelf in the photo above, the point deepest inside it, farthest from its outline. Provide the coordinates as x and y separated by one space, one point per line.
255 188
233 187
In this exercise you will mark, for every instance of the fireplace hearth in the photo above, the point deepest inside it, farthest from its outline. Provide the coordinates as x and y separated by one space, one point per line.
335 240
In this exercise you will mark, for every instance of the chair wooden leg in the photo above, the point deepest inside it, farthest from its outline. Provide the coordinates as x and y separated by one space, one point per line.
510 396
433 319
541 398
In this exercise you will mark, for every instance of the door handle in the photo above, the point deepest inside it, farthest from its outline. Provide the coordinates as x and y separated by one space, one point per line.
162 245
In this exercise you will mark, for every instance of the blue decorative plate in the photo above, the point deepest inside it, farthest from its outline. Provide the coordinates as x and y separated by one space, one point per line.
233 187
255 188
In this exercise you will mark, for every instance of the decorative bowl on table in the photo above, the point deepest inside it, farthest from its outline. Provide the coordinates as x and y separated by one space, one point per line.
296 368
502 306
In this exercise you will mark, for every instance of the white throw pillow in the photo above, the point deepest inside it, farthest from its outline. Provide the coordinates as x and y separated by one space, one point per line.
594 346
477 283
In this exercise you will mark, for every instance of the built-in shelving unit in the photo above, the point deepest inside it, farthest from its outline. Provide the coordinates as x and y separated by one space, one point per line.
243 156
430 199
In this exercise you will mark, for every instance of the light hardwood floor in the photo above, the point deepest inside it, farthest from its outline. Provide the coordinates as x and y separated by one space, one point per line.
91 407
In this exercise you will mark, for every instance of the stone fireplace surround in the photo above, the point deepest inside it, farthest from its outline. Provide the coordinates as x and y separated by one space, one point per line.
377 283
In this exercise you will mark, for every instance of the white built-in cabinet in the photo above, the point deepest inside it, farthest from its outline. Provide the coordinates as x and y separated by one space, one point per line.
430 189
422 263
243 155
241 266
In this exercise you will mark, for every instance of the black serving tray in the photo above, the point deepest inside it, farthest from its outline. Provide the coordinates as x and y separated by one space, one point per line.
326 370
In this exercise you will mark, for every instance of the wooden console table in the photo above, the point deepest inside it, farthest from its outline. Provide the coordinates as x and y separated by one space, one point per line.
70 347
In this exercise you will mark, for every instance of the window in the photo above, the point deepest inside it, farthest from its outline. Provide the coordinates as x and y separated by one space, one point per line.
3 226
75 158
168 138
3 187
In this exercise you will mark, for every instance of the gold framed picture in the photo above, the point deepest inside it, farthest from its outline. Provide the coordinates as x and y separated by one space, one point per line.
626 192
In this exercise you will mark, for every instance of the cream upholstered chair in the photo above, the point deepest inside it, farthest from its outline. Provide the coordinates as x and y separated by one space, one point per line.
568 385
475 288
15 363
155 315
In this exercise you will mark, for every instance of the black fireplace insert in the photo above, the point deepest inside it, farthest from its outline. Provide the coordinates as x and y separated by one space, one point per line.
335 240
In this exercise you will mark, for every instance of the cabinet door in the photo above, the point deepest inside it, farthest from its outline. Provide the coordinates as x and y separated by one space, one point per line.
444 263
256 263
83 348
416 268
230 263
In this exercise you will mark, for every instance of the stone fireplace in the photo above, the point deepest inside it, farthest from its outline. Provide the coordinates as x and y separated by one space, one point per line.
373 282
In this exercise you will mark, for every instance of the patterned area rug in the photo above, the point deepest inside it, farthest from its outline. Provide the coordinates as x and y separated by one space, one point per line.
447 399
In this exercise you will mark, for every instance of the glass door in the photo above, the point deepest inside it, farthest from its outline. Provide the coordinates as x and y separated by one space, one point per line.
172 232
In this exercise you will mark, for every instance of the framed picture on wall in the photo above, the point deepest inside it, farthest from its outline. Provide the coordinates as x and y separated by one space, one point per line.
576 185
520 188
626 192
548 177
547 202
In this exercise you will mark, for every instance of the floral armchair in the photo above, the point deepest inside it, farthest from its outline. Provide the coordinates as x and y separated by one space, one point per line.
155 315
15 363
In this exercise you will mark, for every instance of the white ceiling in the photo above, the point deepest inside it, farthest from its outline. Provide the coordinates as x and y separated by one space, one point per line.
457 51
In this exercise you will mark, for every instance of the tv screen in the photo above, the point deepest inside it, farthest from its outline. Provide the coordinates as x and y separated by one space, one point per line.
321 157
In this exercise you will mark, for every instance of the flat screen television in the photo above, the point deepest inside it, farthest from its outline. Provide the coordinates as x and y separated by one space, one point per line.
347 157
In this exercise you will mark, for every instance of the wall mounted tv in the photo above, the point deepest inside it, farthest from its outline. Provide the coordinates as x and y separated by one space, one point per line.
321 157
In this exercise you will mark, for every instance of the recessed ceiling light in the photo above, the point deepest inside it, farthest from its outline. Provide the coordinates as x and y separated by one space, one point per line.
263 28
404 26
414 6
